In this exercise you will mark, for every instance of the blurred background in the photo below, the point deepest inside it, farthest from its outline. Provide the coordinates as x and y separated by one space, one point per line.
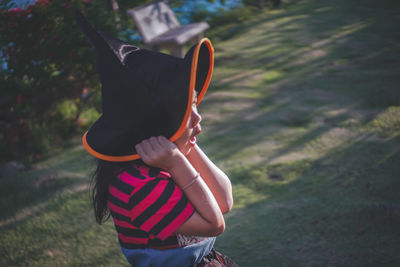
50 90
303 114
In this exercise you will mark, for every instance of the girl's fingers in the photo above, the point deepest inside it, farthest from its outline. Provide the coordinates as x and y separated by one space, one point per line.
158 152
161 141
155 143
155 150
147 147
140 151
145 150
165 142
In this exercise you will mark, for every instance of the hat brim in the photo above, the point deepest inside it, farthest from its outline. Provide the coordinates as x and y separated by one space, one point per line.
191 61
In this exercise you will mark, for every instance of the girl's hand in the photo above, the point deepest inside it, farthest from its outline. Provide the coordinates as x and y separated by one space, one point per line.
208 219
159 152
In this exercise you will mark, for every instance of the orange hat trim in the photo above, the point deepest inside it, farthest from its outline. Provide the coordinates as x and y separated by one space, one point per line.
182 128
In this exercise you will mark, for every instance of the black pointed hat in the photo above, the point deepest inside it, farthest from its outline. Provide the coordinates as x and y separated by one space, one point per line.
144 93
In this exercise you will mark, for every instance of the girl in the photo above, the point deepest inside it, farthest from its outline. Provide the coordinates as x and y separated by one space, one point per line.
166 197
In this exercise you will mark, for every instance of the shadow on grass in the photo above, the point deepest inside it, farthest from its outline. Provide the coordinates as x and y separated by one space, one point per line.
336 72
319 46
332 211
26 194
64 234
338 77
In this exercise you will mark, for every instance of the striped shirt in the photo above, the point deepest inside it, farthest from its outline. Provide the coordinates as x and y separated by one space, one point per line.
147 207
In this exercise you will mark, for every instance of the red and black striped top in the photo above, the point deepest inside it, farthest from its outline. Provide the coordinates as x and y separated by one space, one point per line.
147 207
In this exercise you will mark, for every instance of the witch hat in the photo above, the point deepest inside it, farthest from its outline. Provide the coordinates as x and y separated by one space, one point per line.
144 93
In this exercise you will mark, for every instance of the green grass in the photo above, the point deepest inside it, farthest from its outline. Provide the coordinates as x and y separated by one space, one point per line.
303 114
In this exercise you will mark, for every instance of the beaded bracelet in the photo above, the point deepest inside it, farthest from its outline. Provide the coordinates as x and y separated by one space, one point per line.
191 182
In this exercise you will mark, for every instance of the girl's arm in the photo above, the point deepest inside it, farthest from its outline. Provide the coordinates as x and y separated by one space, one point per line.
215 178
208 219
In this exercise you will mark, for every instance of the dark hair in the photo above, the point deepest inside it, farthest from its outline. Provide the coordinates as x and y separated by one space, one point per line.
103 175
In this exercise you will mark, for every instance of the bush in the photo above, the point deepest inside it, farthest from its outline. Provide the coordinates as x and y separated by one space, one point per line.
48 77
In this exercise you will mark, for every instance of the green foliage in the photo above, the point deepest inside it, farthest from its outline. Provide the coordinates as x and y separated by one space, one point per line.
50 75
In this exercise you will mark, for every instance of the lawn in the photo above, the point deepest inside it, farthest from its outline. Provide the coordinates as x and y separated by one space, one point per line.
303 114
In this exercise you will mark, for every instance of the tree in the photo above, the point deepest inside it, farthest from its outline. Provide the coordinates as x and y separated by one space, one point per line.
47 74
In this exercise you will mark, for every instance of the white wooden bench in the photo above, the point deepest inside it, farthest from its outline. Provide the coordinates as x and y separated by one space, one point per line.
160 28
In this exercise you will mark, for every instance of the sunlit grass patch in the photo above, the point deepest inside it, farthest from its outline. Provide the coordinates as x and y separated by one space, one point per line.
40 239
302 114
387 123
